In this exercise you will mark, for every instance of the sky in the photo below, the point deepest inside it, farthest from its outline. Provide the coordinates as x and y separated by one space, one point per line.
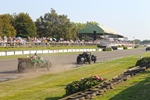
130 18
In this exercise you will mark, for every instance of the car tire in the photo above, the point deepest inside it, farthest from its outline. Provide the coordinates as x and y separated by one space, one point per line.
49 65
78 61
35 67
89 60
21 66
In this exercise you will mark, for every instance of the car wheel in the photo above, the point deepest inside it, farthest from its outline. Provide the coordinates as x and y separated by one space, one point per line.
94 59
21 66
49 65
89 61
35 67
78 61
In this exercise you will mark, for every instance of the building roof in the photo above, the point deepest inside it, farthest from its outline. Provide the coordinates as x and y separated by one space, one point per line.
100 29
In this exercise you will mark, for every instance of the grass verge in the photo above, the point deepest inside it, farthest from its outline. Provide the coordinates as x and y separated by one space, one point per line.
46 48
136 88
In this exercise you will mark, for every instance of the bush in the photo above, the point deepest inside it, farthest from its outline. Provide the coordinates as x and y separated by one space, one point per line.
143 62
83 84
125 47
107 49
136 46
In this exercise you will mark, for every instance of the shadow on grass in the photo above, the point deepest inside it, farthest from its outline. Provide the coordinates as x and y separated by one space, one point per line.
140 91
54 98
131 67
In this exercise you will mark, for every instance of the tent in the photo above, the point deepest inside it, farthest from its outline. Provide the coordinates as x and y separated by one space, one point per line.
99 29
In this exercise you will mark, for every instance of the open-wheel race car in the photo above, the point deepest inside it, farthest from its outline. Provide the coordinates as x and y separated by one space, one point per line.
33 63
86 57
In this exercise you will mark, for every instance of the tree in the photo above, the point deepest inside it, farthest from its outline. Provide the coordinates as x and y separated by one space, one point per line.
40 27
24 25
1 30
54 25
64 27
91 23
136 41
47 25
145 42
58 26
6 28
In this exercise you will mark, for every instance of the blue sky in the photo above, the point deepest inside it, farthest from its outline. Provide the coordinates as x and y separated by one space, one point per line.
130 18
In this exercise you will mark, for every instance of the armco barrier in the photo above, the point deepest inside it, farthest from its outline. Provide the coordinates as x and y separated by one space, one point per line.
9 53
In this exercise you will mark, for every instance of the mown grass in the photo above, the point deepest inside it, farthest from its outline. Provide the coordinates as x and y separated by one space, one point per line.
52 86
136 88
46 48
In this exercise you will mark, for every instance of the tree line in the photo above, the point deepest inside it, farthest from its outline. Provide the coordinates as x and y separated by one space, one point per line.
50 25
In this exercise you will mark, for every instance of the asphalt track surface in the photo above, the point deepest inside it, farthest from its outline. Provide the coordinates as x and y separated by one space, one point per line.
63 62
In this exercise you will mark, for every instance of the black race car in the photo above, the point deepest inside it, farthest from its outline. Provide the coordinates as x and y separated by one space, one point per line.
86 57
147 48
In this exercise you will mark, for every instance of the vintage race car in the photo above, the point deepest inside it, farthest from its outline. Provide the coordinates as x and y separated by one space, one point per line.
147 48
86 57
33 63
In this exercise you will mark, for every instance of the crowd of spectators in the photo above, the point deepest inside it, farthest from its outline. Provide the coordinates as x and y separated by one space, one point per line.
43 41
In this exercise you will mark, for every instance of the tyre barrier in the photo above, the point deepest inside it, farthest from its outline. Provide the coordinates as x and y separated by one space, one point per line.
100 89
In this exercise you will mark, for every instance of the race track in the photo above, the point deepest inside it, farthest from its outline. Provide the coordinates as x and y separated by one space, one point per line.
8 67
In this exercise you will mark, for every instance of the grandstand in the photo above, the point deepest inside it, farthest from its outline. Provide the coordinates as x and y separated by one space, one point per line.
103 36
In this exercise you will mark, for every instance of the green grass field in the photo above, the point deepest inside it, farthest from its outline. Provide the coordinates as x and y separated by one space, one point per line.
52 86
46 48
136 88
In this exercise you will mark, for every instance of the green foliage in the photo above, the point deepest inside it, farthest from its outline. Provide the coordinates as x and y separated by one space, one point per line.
125 47
136 46
145 42
6 28
1 30
50 25
143 62
83 84
47 25
119 45
91 23
24 25
58 26
54 25
107 49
